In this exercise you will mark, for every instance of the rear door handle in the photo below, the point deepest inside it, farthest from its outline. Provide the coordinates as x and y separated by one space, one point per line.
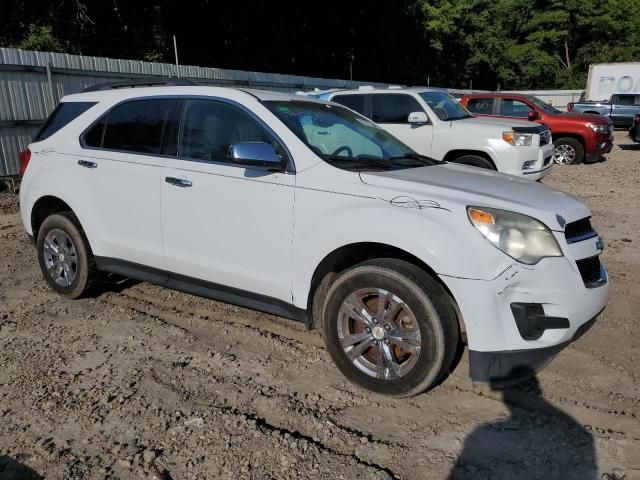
87 164
178 182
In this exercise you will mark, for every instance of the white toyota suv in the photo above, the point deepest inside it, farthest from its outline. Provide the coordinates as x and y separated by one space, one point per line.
304 209
434 124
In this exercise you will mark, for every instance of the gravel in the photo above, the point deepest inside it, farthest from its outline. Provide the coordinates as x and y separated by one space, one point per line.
142 382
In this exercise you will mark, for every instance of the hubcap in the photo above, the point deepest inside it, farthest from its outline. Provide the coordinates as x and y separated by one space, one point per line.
564 154
60 257
379 333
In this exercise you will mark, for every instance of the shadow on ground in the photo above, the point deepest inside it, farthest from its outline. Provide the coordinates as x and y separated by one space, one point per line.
536 441
10 469
629 146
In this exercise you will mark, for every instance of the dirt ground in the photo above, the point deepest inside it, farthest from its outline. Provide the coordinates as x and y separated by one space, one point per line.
143 382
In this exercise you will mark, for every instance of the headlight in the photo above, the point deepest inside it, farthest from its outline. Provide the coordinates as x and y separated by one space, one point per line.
523 238
517 139
599 128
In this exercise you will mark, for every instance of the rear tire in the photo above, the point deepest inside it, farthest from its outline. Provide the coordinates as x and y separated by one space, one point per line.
567 151
401 347
475 161
65 256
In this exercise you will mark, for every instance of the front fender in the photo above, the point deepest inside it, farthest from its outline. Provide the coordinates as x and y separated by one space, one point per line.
442 238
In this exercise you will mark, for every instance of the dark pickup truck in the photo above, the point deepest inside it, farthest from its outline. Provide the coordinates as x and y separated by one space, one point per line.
622 108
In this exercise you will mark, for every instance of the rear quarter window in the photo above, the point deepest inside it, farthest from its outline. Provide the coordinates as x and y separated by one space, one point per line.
63 114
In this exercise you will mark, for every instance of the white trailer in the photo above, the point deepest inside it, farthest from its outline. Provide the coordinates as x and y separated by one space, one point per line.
605 79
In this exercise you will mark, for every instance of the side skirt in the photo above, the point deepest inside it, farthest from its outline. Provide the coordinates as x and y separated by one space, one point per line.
194 286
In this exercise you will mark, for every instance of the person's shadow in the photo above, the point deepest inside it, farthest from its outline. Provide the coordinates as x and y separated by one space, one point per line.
537 441
11 469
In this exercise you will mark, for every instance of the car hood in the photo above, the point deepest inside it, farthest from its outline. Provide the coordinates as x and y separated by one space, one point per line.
453 187
505 123
584 117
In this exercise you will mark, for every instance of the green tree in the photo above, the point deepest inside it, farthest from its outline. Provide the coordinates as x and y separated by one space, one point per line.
40 37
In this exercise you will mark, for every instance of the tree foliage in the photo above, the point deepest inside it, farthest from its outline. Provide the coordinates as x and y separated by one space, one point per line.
460 43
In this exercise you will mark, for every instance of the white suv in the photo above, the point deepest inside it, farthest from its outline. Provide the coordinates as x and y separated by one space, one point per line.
305 209
434 124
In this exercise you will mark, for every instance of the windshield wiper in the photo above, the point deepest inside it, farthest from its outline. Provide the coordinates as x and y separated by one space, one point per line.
451 119
416 157
362 160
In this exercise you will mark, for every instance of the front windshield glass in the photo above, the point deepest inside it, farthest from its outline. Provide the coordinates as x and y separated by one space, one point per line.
343 138
445 106
544 106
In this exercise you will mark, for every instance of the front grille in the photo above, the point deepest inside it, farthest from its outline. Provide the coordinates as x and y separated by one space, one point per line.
591 271
545 137
579 230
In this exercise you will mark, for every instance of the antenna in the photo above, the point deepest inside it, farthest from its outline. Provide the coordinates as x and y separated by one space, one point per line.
175 51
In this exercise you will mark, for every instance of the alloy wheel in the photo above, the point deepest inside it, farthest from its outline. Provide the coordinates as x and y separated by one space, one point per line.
379 333
60 257
564 154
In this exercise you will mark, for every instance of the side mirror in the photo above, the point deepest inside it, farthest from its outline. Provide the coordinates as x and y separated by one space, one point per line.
418 117
533 115
255 154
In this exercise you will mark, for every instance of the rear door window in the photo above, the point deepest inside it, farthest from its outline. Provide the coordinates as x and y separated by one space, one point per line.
63 114
354 102
624 99
393 107
514 108
138 127
481 106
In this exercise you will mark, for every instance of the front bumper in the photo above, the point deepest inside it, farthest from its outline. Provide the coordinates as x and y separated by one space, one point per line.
501 369
556 284
538 158
603 147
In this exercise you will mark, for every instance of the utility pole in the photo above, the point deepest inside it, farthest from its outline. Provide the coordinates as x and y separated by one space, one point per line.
175 51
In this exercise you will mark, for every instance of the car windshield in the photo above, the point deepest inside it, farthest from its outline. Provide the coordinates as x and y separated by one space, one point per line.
544 106
445 106
343 138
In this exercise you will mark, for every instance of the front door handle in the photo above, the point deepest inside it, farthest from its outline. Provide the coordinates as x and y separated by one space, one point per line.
178 182
87 164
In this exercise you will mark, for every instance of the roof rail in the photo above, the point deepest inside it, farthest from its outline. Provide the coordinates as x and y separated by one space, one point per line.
144 82
366 87
395 87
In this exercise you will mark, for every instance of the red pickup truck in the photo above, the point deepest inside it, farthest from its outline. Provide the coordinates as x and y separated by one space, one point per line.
576 136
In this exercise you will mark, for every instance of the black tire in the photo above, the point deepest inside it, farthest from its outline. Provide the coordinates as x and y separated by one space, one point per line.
570 144
431 307
475 161
87 275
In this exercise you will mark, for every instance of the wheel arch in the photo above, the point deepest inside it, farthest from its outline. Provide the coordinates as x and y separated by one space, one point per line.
575 136
452 155
44 207
349 255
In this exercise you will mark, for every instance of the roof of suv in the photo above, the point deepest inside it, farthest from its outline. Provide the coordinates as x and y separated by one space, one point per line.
117 94
366 90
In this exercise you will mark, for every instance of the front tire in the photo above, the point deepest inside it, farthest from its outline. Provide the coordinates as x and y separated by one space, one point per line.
65 256
567 151
390 327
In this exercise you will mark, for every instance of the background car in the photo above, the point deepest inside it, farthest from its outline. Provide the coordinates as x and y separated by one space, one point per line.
576 137
433 123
